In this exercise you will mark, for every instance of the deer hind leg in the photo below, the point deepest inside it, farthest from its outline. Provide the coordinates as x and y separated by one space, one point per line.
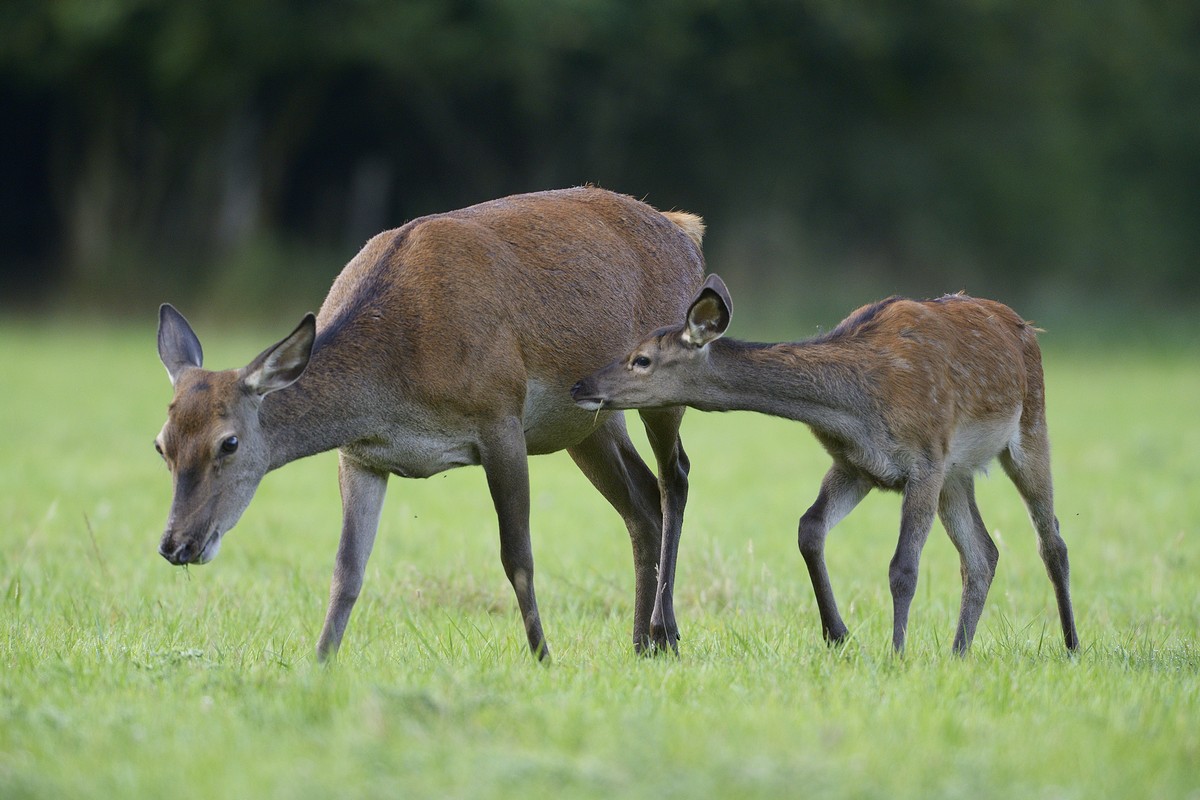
363 491
610 461
840 493
916 518
662 430
1029 468
976 551
503 455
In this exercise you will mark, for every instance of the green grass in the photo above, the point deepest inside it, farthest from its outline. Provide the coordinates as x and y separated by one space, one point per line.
123 677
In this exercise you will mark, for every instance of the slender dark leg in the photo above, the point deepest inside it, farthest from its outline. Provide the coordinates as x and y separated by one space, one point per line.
610 461
840 493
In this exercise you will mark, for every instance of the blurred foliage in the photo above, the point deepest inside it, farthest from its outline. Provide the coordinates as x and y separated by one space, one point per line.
154 146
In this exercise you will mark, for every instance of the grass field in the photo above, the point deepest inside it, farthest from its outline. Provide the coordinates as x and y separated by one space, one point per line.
123 677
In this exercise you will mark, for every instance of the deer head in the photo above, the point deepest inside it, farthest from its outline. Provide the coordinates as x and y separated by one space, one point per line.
660 368
213 442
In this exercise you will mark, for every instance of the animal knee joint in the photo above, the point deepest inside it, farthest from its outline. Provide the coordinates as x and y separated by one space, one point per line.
811 536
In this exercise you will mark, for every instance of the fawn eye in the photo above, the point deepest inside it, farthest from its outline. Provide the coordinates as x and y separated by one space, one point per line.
230 445
641 362
158 449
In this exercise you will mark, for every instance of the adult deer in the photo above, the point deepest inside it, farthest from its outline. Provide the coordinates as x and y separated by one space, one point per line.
451 341
909 396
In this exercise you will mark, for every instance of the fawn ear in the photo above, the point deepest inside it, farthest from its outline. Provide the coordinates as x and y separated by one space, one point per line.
178 346
710 313
282 364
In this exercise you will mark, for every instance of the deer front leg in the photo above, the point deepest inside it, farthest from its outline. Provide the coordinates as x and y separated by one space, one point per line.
504 457
363 491
662 431
840 493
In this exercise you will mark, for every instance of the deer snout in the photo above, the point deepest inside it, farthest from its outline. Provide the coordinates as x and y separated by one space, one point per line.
188 549
585 396
176 553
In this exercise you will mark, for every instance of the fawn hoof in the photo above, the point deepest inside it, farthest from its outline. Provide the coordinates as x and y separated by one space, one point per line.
836 638
660 641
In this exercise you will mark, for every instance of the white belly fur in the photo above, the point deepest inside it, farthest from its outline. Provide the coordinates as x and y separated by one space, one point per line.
417 449
976 443
553 421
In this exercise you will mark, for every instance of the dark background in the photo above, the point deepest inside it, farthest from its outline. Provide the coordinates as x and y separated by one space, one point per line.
231 153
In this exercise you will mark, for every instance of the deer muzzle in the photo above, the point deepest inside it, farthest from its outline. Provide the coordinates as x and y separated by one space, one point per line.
180 549
586 396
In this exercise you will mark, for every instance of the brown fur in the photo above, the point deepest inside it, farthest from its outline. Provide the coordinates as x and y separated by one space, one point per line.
904 395
454 340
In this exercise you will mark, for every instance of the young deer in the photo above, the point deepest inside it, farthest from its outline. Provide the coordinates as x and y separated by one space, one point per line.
451 341
908 396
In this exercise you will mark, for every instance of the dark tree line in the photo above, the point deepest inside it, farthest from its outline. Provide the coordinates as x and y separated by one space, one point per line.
150 145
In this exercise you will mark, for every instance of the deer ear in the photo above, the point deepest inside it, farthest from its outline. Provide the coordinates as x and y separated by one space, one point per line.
709 316
178 346
282 364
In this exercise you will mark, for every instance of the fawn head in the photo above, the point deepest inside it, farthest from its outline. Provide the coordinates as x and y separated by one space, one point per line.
664 368
213 441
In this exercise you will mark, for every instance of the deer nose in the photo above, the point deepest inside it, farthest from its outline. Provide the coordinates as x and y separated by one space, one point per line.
183 553
578 389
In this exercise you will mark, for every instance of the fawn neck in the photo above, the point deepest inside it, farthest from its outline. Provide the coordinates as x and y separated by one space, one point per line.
811 382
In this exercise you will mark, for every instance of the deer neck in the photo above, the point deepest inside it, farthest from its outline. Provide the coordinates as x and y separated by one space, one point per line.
327 408
811 382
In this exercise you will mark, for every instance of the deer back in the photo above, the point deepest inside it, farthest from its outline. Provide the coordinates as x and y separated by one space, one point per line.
547 286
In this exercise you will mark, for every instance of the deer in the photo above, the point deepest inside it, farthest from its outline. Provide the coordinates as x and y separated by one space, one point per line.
451 341
908 396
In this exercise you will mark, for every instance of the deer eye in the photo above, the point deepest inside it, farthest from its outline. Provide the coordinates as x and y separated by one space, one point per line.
158 449
641 362
230 445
